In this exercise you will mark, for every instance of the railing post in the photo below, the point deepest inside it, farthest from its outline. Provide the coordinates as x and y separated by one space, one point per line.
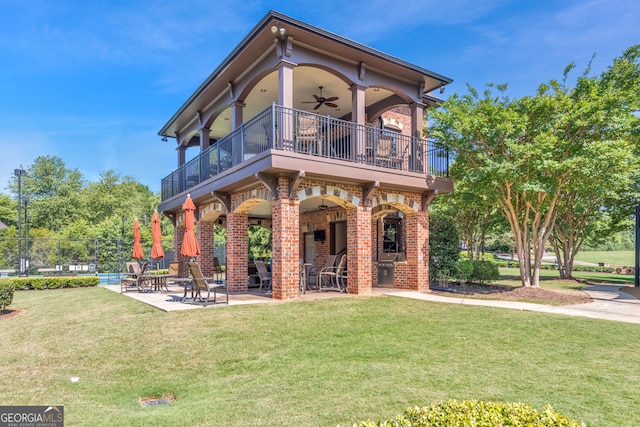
273 126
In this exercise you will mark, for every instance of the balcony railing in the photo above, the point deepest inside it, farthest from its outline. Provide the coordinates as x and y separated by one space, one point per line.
313 134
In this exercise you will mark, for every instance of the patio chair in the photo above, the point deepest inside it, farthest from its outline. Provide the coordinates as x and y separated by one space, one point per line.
206 284
218 271
174 270
134 278
308 137
333 277
314 272
263 275
387 152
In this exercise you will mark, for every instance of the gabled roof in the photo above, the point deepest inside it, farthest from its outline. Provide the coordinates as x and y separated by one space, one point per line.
260 38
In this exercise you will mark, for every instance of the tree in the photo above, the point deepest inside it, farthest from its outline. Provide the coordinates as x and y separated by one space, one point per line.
527 154
475 214
444 242
8 209
54 193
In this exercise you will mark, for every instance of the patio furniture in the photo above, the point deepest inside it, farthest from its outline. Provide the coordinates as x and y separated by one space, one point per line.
304 274
158 282
218 272
315 270
205 284
263 274
135 277
308 137
332 276
387 152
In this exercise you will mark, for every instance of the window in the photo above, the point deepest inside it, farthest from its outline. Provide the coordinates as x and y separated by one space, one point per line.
393 234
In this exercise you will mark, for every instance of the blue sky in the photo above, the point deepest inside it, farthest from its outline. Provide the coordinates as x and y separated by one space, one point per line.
92 82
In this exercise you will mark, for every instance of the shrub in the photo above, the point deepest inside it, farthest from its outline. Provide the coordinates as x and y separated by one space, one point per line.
25 283
6 294
454 413
484 272
464 271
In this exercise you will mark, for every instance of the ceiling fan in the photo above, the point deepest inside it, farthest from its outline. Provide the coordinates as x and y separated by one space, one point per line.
321 100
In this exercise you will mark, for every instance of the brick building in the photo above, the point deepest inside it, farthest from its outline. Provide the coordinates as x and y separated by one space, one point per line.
319 138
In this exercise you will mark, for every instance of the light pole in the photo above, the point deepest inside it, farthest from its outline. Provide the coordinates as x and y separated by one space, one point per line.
19 173
26 236
637 278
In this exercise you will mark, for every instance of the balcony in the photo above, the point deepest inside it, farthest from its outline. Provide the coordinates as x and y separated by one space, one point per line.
309 134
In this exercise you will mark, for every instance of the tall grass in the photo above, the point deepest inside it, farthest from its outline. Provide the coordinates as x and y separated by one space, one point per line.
320 363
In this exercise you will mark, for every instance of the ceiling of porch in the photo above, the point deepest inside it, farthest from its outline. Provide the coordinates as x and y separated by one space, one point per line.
306 83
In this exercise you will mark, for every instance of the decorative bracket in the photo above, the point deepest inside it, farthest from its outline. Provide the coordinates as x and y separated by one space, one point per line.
231 91
171 216
294 182
361 70
427 197
225 198
271 181
368 189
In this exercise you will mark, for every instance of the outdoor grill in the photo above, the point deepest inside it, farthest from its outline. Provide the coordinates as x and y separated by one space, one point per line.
386 267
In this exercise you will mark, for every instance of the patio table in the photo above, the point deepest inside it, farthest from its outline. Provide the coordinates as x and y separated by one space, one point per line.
158 282
304 269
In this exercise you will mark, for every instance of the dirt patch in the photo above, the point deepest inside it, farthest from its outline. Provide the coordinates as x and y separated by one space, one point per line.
631 290
514 293
8 314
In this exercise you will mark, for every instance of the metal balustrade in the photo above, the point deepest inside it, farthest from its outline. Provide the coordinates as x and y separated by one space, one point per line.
312 134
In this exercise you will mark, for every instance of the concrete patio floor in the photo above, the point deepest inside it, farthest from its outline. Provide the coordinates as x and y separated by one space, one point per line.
172 300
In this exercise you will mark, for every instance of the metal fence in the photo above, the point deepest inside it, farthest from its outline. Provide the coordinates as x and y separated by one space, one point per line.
74 256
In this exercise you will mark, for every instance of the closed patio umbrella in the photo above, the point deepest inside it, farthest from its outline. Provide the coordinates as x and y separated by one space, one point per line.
190 247
157 251
137 253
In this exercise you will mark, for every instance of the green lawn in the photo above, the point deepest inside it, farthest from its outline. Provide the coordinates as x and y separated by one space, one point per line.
320 363
549 278
617 258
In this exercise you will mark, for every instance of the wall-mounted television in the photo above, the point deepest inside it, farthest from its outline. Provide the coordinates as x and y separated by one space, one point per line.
319 235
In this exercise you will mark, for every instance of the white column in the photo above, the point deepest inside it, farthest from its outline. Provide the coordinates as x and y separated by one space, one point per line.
358 116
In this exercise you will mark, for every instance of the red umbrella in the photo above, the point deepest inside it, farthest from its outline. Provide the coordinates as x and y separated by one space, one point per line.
190 247
156 250
138 253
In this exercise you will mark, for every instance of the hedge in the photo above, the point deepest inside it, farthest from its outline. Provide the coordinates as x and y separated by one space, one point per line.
477 271
591 268
26 283
6 294
454 413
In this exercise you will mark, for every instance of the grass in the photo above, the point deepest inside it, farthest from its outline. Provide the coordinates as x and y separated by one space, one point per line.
617 258
320 363
550 278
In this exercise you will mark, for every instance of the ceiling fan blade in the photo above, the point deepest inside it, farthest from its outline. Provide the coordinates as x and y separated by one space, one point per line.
333 98
317 97
308 102
317 106
330 104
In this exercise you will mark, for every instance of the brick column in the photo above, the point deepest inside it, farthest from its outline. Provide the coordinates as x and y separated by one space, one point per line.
237 252
359 250
418 251
285 244
204 234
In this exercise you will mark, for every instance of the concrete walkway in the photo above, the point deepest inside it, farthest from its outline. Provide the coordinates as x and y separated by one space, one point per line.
608 302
